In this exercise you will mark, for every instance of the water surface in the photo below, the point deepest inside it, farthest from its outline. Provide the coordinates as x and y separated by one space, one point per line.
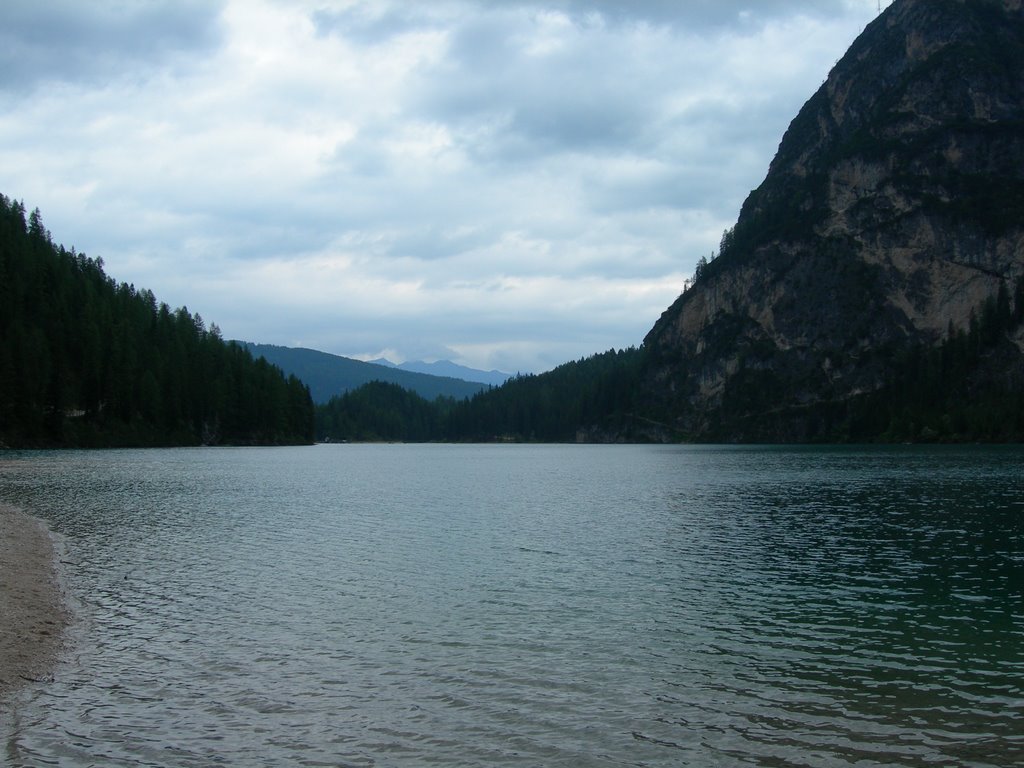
358 605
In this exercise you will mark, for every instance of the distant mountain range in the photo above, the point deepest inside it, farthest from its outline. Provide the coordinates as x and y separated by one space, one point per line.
448 369
328 375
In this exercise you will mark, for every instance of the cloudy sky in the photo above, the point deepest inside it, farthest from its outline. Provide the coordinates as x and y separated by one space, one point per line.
505 183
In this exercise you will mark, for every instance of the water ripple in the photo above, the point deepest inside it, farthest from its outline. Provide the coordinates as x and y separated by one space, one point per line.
540 605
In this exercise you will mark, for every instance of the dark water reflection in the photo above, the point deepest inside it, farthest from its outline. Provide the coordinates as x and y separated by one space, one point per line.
533 605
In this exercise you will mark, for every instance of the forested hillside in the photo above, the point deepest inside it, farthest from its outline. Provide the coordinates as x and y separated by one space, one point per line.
589 399
85 361
382 411
557 406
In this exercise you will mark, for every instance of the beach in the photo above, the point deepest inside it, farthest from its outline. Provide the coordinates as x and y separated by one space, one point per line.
33 611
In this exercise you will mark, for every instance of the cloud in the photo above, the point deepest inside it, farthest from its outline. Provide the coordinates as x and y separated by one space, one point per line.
704 14
517 87
516 183
67 40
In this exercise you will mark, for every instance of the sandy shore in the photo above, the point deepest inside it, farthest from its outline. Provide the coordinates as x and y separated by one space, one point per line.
33 611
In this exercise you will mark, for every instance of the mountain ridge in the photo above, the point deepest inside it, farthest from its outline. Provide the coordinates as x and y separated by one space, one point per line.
448 369
329 375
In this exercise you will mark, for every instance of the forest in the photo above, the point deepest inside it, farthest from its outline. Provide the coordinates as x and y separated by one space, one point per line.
967 388
562 405
88 362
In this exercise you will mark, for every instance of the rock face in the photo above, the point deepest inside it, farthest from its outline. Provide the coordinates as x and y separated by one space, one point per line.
893 210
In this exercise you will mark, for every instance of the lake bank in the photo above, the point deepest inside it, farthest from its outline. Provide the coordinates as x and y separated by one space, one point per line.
33 611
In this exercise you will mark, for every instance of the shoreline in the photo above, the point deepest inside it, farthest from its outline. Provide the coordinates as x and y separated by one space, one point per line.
33 608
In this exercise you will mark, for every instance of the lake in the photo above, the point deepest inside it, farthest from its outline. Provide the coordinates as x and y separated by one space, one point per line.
489 605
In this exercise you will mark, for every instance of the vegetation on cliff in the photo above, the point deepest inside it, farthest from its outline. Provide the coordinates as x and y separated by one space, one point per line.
968 388
85 361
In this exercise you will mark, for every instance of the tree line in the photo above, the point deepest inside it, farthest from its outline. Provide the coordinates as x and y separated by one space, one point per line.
970 387
85 361
598 391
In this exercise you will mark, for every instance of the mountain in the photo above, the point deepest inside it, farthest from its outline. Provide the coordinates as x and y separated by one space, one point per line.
329 375
448 369
873 285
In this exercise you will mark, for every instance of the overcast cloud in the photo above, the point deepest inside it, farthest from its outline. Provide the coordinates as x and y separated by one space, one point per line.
505 184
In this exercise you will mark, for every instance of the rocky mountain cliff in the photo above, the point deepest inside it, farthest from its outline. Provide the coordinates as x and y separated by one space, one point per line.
891 219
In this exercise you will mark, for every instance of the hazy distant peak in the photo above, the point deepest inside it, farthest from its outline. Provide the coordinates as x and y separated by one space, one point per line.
447 368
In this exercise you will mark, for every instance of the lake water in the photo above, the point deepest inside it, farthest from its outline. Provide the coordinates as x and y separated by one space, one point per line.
392 605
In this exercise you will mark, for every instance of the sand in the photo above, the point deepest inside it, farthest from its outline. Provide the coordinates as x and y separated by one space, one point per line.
33 609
